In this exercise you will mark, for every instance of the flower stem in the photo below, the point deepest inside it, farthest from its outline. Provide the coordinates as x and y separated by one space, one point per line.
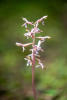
33 71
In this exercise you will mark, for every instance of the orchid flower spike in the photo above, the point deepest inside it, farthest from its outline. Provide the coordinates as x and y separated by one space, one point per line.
32 34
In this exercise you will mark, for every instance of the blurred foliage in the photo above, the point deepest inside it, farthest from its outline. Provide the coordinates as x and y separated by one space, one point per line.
15 76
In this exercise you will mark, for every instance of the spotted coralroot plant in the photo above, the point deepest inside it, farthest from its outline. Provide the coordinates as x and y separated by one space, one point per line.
34 56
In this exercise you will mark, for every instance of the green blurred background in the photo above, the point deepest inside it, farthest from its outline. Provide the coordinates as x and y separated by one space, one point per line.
15 76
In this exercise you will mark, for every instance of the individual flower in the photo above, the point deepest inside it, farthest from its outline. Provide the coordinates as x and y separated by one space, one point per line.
28 34
39 45
32 32
36 30
29 61
40 20
40 64
23 45
30 56
26 22
37 48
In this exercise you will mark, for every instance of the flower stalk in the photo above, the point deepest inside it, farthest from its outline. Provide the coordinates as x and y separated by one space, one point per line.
33 71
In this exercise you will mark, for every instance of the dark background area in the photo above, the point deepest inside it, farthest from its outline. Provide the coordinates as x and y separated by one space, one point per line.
15 76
